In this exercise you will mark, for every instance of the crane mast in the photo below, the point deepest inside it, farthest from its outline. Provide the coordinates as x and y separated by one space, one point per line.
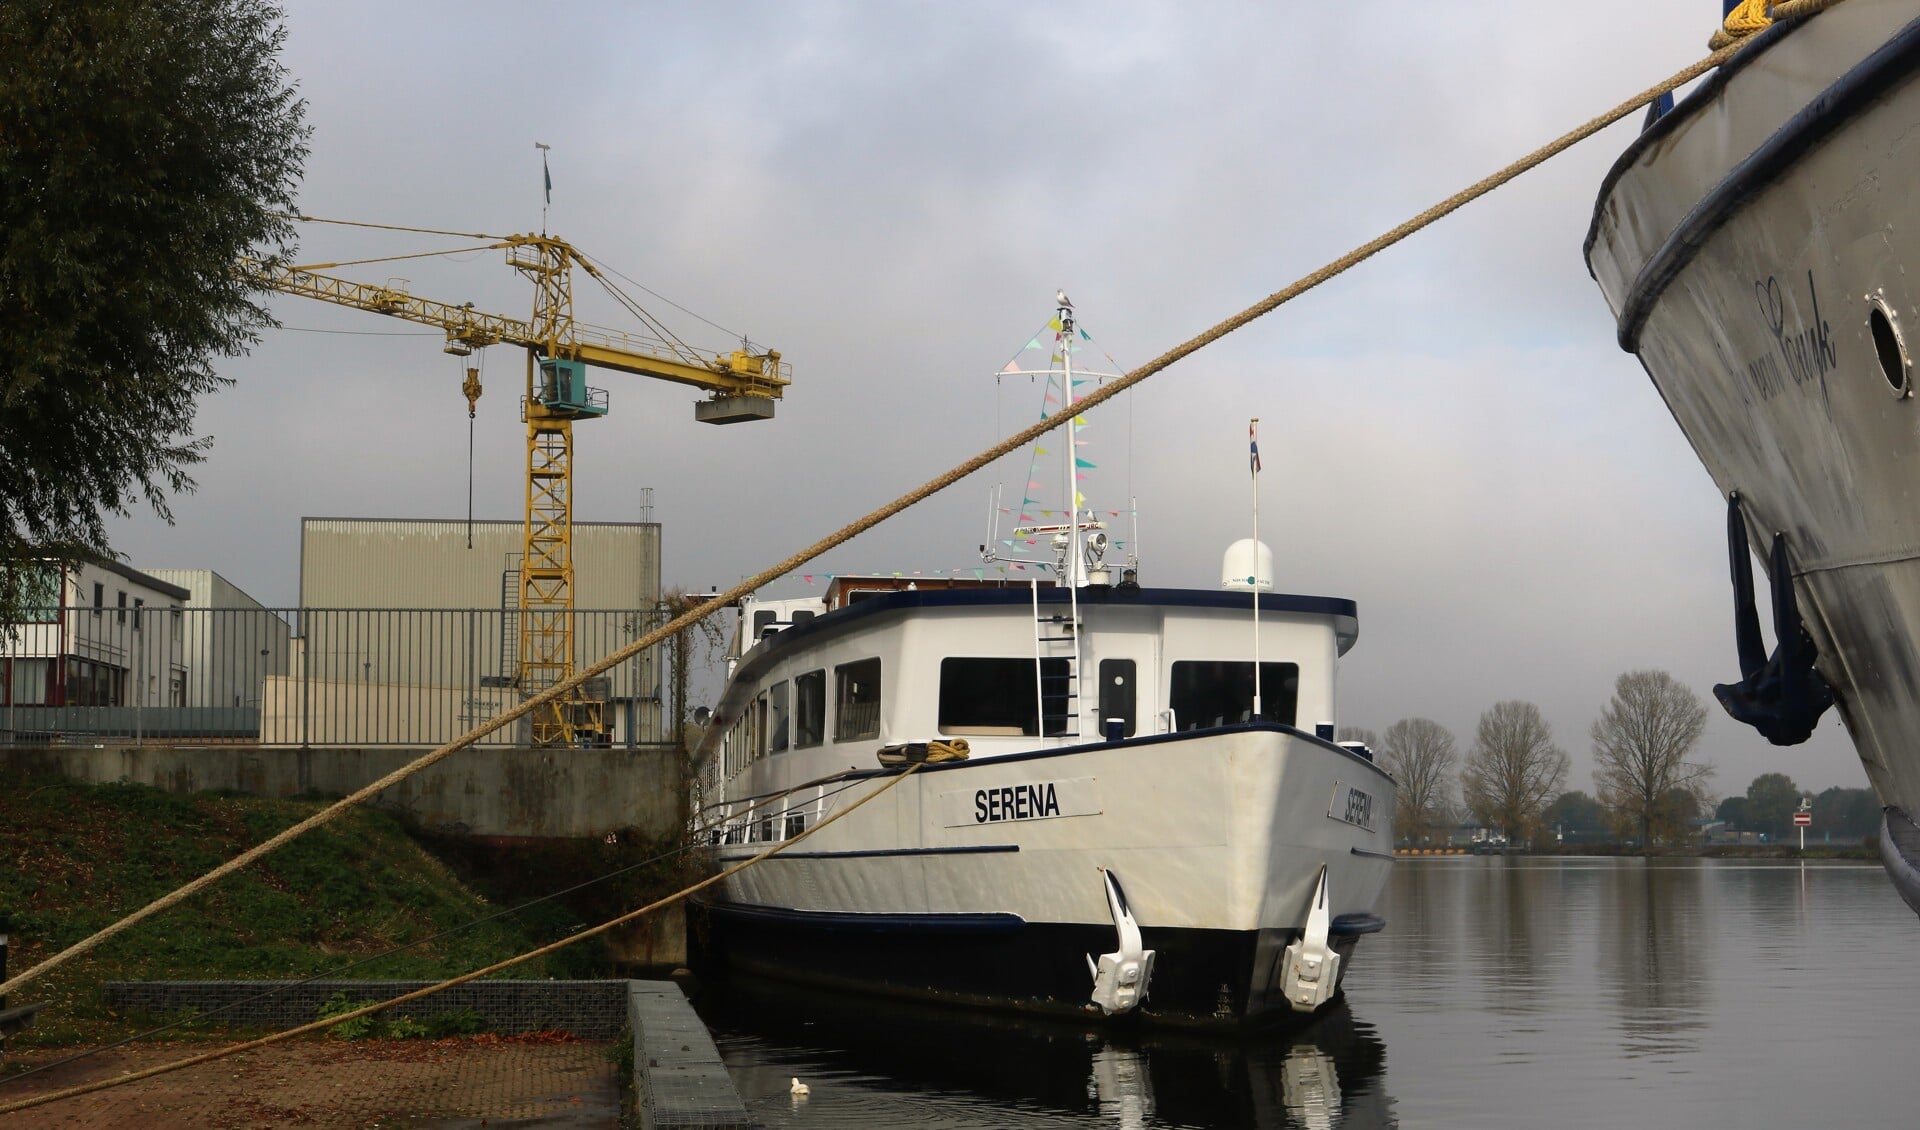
742 385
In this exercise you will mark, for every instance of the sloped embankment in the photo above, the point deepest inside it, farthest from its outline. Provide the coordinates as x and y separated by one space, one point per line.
75 858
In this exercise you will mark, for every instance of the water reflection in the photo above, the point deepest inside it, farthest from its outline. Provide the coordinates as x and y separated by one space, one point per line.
1654 958
892 1064
1514 993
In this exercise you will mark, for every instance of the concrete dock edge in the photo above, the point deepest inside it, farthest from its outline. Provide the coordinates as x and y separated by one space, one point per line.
678 1078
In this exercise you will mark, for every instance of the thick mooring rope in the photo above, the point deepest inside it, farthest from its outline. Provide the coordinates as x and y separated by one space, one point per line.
403 998
1011 443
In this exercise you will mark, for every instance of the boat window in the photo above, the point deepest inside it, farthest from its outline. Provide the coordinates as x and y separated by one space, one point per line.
763 620
1116 693
1207 693
777 717
856 701
983 697
757 729
801 616
809 709
796 824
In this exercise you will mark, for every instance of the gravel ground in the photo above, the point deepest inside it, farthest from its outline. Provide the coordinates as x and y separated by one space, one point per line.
550 1081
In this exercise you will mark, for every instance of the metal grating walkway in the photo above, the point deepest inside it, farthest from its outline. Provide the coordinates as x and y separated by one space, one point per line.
679 1079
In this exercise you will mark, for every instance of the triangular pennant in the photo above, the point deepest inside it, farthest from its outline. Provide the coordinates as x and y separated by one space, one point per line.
1054 325
1034 344
1012 367
1040 451
1080 420
1085 336
1079 462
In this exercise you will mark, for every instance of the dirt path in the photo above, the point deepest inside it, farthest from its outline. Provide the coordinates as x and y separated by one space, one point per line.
551 1082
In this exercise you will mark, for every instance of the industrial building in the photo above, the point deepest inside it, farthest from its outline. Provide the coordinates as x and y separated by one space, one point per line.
410 633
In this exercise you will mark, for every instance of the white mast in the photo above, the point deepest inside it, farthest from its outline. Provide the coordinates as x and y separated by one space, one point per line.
1253 467
1073 570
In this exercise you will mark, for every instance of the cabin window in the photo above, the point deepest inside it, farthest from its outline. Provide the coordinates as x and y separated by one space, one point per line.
1208 693
856 701
809 709
760 726
796 824
982 697
762 621
777 717
1117 693
801 616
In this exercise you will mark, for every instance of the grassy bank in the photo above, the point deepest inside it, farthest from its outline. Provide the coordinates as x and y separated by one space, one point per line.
79 857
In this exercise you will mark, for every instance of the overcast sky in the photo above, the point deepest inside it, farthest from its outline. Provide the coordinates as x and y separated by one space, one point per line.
889 193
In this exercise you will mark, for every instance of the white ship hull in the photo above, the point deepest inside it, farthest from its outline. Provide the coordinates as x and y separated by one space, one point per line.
1755 246
981 881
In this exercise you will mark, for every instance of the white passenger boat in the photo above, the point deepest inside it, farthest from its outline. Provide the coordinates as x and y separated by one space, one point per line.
1757 245
1132 802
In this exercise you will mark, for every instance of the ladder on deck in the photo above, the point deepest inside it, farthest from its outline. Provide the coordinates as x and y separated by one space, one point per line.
1056 637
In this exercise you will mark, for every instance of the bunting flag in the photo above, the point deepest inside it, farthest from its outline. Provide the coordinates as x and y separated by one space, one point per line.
1012 367
1082 463
1054 324
1034 344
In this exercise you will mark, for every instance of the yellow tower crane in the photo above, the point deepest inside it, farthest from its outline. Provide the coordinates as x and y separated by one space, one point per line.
742 385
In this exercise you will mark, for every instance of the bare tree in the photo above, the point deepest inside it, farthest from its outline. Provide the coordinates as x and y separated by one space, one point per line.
1640 745
1514 770
1420 754
1359 734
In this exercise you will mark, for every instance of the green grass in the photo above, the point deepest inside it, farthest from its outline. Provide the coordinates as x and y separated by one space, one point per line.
75 858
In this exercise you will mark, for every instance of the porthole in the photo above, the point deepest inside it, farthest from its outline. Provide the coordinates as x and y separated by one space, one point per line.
1888 348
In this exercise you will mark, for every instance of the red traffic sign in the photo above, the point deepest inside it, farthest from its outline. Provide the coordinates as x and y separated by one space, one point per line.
1803 819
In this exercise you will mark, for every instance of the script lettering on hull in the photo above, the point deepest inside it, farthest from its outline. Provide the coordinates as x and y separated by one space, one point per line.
1802 355
1028 800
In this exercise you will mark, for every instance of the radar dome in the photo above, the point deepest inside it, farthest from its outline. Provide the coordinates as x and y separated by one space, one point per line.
1247 564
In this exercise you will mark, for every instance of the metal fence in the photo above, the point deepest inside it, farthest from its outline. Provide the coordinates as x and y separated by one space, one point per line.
309 676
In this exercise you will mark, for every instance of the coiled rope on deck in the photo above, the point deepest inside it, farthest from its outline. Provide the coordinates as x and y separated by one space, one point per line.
403 998
1014 442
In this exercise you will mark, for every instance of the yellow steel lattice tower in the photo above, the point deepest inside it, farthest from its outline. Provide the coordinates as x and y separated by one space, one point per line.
742 385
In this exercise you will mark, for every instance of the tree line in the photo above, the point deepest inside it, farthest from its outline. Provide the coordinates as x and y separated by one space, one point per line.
1649 787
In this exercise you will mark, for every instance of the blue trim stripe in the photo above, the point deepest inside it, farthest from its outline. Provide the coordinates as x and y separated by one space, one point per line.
1892 65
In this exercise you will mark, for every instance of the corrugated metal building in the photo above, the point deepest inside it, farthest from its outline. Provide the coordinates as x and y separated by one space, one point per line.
232 642
425 563
397 615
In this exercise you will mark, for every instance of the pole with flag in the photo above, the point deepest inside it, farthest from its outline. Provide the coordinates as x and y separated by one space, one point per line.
546 175
1253 471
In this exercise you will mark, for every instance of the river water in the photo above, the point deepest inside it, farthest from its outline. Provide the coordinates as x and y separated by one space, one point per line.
1505 992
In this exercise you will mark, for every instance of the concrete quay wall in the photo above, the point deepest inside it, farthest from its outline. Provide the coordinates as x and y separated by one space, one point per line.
477 791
